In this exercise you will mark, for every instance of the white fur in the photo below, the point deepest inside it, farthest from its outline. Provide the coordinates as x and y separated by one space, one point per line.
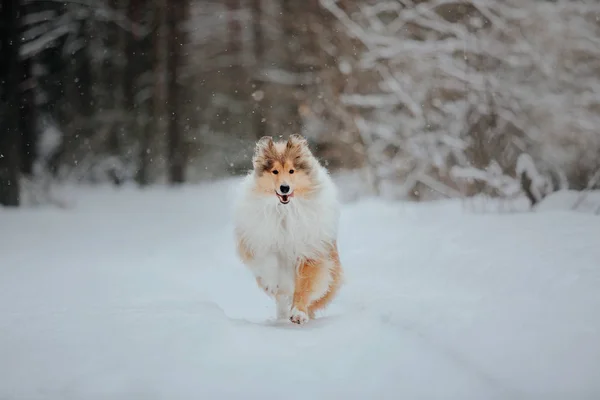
283 306
279 235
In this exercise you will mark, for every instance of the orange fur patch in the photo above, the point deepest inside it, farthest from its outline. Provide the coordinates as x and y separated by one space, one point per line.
311 275
336 280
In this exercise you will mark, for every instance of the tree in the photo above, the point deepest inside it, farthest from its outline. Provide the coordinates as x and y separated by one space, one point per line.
176 15
140 84
260 128
9 103
293 19
27 107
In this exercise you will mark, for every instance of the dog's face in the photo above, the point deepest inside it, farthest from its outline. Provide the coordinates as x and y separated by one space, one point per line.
283 169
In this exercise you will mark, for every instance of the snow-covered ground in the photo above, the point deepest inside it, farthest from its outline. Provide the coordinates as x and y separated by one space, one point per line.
138 294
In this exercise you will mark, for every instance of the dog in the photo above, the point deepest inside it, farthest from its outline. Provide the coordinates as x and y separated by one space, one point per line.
286 227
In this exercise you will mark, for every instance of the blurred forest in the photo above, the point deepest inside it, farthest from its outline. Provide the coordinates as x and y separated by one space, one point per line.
422 98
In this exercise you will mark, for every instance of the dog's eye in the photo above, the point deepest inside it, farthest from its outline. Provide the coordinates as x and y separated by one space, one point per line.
291 171
275 172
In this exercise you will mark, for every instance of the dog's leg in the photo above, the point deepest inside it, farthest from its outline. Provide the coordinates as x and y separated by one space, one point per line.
287 275
329 284
266 271
305 282
334 283
317 283
283 306
310 278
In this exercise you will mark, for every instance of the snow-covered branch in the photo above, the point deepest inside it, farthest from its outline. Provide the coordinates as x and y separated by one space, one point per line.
515 83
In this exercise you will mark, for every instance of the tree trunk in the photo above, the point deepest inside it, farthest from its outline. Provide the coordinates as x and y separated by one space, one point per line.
114 82
10 99
176 39
151 58
291 12
135 67
132 67
259 122
27 119
234 29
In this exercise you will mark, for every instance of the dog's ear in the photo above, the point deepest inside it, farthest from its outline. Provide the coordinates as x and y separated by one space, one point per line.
296 140
263 151
297 150
264 143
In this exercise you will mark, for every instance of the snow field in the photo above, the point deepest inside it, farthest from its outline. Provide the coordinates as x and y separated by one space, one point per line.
138 294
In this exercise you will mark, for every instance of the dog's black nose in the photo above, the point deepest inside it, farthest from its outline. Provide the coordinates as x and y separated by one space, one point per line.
284 188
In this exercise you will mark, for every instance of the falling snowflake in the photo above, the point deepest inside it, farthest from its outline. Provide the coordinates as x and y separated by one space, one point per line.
258 95
345 67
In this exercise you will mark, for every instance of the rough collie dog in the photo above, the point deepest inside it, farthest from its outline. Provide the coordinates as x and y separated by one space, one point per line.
286 221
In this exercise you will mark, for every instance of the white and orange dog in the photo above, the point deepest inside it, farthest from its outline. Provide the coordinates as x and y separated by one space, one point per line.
286 224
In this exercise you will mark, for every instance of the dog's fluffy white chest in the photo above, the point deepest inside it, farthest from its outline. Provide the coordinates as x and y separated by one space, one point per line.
301 229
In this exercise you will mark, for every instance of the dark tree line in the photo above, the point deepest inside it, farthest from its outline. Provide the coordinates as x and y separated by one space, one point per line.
428 100
129 90
104 73
10 135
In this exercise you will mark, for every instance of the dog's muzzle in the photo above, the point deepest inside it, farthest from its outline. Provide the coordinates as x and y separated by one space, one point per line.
284 198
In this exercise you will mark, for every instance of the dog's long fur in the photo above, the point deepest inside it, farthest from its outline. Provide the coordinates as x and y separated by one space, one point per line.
289 241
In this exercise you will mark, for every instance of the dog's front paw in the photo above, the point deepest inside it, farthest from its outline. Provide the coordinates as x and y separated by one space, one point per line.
298 317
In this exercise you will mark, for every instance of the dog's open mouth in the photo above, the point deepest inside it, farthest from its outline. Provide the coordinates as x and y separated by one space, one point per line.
284 198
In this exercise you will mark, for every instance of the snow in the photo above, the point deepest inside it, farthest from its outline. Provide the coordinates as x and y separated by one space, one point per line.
585 202
138 294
